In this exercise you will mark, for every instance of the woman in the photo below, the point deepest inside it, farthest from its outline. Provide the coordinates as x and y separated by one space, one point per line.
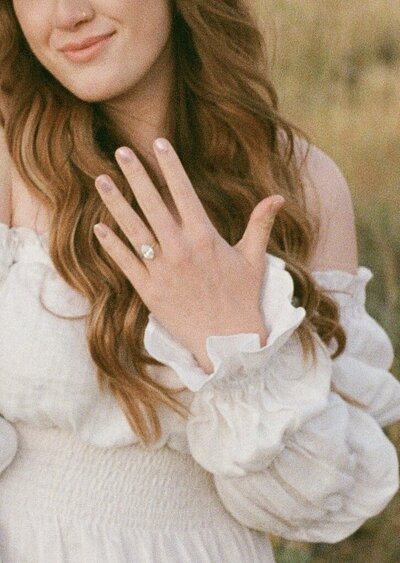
153 123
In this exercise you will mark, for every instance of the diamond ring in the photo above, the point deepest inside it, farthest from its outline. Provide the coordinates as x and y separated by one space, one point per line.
147 251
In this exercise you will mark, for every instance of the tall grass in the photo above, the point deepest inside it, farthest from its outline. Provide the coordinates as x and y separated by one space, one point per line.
336 66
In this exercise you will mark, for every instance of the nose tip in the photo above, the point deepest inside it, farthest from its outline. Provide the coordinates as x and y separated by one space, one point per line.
69 17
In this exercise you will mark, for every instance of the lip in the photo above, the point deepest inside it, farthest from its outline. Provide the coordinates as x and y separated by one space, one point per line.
86 50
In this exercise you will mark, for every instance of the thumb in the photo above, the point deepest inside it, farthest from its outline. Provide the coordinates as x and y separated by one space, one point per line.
254 242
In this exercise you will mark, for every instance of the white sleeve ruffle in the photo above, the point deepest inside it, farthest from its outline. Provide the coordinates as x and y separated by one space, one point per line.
8 434
362 371
7 249
8 443
288 455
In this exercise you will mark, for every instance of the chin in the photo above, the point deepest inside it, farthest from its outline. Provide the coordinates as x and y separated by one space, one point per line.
93 96
94 92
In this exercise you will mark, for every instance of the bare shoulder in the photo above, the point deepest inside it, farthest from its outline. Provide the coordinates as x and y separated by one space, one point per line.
324 182
328 196
5 181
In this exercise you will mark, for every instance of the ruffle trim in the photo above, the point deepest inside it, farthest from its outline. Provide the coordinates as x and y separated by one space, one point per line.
348 289
7 250
15 240
233 353
8 443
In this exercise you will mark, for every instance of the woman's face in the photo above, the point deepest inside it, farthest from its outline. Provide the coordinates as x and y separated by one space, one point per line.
136 45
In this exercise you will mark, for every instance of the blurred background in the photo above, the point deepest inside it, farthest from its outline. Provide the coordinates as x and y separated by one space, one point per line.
336 67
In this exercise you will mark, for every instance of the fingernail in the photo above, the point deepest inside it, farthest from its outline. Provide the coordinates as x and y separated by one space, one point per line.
100 230
277 202
104 184
161 145
124 154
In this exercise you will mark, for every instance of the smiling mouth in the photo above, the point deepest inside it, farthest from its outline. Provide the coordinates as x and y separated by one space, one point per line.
88 53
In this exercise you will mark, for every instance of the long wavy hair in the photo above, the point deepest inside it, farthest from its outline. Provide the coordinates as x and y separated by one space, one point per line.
232 140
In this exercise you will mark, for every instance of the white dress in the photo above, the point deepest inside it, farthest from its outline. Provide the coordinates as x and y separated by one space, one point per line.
268 447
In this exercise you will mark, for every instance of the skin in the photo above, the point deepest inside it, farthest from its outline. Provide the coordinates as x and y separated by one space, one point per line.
132 77
195 269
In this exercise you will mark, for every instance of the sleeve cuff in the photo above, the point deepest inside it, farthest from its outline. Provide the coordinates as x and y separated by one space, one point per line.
230 354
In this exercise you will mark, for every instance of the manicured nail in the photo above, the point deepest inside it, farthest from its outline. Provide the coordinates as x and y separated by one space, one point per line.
124 154
100 230
161 145
104 183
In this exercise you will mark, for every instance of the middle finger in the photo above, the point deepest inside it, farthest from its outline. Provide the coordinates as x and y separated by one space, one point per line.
148 197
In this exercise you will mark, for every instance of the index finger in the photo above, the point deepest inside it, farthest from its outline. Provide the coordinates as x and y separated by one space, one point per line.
187 201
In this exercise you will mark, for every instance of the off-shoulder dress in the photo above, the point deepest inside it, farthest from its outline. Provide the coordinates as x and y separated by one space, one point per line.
268 448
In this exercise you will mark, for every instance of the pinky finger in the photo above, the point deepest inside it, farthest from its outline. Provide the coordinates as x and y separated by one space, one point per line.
133 268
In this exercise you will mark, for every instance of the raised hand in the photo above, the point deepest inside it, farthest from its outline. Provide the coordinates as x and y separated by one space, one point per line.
190 278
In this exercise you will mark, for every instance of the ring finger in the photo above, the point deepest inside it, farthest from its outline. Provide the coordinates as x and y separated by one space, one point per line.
129 221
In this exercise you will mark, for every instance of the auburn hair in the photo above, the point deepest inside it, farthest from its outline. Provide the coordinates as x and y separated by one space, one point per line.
233 142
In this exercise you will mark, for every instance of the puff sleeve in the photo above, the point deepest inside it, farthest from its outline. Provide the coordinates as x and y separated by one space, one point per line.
8 443
362 371
288 455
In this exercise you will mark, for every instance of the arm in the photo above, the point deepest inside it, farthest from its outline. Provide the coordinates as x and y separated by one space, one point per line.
288 455
334 266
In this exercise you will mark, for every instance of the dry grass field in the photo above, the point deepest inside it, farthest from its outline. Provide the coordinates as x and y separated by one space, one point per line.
336 66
